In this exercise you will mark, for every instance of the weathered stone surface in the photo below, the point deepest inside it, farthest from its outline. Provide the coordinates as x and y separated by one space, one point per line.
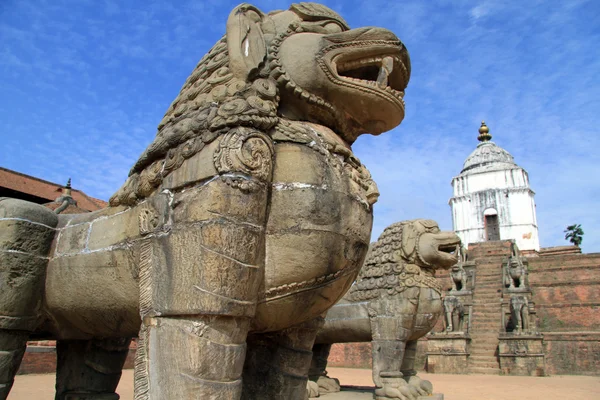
447 353
13 208
207 203
357 393
395 301
20 273
24 236
195 169
521 355
215 288
110 305
76 219
238 227
73 239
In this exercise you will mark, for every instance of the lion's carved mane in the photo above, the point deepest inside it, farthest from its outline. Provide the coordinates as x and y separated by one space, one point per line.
210 102
393 264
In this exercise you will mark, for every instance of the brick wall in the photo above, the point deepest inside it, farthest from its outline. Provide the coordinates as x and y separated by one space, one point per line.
358 355
566 291
40 358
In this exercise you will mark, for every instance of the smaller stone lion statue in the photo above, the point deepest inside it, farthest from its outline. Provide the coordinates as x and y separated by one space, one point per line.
395 301
459 278
519 313
454 314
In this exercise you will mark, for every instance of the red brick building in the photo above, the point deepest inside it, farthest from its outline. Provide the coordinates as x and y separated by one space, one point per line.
25 187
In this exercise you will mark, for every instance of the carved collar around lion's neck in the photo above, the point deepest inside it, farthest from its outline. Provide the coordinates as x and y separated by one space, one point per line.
325 141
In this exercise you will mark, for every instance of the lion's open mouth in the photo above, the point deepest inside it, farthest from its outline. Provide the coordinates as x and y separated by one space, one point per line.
382 71
450 248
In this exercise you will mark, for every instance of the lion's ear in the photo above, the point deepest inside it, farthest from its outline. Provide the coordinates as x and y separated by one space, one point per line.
409 239
245 40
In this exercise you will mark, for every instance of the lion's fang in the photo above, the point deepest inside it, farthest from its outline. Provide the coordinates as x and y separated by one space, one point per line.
387 66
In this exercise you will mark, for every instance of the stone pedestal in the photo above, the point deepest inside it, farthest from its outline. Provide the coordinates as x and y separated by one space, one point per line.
366 393
521 354
447 353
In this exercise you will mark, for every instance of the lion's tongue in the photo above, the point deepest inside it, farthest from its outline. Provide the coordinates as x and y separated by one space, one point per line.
387 66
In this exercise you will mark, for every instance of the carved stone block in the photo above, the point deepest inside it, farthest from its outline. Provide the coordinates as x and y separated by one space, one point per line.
521 355
447 353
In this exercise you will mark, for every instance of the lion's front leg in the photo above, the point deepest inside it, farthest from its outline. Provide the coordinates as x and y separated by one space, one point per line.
193 358
428 310
392 321
199 281
277 364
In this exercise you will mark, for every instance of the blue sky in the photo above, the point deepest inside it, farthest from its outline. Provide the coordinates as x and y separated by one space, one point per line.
84 84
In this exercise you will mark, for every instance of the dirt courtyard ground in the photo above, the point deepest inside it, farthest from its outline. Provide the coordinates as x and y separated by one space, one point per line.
454 387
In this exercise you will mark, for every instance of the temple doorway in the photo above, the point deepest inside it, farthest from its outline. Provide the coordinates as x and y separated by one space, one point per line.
492 227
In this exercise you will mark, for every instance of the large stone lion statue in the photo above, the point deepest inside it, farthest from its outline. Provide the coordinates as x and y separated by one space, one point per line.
244 220
395 301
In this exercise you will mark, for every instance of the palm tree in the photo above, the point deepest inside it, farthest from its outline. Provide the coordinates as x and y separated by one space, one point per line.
574 234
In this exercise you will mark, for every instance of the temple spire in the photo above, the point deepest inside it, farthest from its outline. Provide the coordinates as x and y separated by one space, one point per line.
484 133
67 189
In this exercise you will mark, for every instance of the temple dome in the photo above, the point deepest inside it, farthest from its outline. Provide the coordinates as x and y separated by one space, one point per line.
488 156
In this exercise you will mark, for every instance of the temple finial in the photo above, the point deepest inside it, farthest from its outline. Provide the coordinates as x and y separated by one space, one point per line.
67 189
484 133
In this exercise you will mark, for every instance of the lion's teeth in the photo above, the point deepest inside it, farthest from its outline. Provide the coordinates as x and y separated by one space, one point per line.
387 66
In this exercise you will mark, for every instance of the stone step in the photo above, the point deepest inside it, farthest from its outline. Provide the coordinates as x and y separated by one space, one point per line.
486 326
484 345
488 348
484 371
482 358
485 365
479 313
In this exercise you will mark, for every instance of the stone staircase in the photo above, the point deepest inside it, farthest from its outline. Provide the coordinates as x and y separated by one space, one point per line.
487 307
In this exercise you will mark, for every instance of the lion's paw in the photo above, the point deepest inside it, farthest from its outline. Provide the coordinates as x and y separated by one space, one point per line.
422 387
312 390
328 385
402 391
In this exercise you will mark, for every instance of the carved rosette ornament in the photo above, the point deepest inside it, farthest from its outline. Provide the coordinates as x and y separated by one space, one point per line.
245 151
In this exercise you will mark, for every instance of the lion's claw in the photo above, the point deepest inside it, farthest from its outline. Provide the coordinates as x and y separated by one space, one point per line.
402 392
328 385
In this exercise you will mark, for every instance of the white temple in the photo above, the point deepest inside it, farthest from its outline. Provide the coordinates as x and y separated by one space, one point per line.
492 199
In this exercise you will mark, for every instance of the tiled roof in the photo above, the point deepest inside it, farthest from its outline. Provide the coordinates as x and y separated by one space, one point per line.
47 190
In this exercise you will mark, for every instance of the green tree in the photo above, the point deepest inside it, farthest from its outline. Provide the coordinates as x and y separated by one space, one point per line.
574 234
